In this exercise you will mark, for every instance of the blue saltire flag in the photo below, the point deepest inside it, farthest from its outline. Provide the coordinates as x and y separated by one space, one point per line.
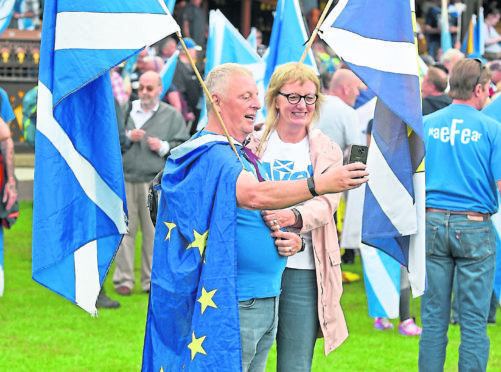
288 39
445 35
383 55
224 45
79 211
170 5
473 45
6 11
193 321
167 72
382 282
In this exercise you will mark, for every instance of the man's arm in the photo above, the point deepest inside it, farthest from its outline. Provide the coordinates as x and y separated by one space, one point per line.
255 195
499 186
4 130
10 193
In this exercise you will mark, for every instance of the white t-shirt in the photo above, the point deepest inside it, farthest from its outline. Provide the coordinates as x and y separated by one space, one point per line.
291 161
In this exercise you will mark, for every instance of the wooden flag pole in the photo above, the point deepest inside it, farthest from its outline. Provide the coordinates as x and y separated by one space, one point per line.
207 93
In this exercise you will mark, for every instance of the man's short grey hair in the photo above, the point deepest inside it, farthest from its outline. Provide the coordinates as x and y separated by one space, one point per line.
218 79
450 54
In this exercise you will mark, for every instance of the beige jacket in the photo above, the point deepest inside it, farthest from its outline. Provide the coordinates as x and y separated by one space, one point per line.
317 215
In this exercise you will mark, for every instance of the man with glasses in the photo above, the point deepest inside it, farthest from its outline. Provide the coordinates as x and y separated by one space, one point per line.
154 128
463 179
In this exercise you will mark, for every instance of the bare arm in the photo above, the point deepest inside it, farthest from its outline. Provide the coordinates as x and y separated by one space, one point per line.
10 194
499 186
4 130
255 195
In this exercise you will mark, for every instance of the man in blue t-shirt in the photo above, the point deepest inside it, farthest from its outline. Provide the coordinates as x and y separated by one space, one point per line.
463 180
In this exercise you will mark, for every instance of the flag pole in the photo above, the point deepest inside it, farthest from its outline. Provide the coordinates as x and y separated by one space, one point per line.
208 95
315 31
308 47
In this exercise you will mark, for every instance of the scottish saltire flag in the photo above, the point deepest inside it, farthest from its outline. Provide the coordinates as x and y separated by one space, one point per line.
224 45
167 72
382 282
288 39
6 11
377 42
170 5
79 210
445 35
193 322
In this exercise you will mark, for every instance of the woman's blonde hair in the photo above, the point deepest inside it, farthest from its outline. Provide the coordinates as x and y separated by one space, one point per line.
289 73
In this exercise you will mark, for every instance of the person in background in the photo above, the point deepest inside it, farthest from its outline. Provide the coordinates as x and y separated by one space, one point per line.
154 128
492 39
432 90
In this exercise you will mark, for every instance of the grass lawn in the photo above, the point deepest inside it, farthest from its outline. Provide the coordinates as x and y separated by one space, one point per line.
41 331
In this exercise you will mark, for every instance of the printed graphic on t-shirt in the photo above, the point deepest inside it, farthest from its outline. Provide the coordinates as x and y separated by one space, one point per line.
453 134
283 170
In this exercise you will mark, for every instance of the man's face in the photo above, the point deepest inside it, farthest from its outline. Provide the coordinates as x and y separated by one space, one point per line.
484 94
239 105
426 87
149 90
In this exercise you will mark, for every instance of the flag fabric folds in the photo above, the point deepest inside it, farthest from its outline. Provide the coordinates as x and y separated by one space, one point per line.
445 35
6 11
193 321
79 211
382 282
288 39
167 72
383 55
224 45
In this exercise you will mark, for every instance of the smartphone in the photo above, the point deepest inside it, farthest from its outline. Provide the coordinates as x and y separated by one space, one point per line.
358 153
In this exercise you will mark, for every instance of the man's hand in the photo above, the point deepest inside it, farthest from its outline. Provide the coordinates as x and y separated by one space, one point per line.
154 143
341 178
10 193
278 218
136 135
287 243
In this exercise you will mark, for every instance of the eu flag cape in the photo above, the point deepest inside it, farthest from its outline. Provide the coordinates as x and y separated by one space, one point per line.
193 322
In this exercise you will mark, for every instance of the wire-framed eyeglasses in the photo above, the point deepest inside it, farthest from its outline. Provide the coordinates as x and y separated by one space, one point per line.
294 98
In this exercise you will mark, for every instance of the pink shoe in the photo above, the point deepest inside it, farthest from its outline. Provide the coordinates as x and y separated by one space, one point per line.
409 328
382 324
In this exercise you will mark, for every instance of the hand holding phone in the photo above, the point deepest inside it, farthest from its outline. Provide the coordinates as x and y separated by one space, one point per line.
358 153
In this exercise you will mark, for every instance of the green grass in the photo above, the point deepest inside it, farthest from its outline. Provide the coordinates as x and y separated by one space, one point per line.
40 331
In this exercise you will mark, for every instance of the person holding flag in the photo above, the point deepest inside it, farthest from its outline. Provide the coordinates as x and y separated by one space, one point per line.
217 267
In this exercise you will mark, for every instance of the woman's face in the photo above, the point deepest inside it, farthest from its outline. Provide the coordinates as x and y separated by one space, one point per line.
299 114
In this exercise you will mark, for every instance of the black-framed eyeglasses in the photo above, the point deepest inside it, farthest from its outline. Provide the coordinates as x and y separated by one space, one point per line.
482 68
294 98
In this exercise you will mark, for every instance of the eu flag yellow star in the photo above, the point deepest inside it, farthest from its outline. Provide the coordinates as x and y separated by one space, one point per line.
196 345
170 226
199 242
206 299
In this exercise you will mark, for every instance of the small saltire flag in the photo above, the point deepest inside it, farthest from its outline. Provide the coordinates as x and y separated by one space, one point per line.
383 55
288 39
167 72
79 210
193 322
382 282
225 45
468 47
6 11
445 36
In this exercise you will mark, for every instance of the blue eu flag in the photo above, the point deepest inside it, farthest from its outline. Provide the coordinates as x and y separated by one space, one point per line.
193 319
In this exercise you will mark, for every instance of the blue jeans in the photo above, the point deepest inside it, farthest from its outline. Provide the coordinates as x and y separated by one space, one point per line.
258 328
297 321
456 242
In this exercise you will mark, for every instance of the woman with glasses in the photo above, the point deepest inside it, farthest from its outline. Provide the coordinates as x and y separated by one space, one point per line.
311 284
